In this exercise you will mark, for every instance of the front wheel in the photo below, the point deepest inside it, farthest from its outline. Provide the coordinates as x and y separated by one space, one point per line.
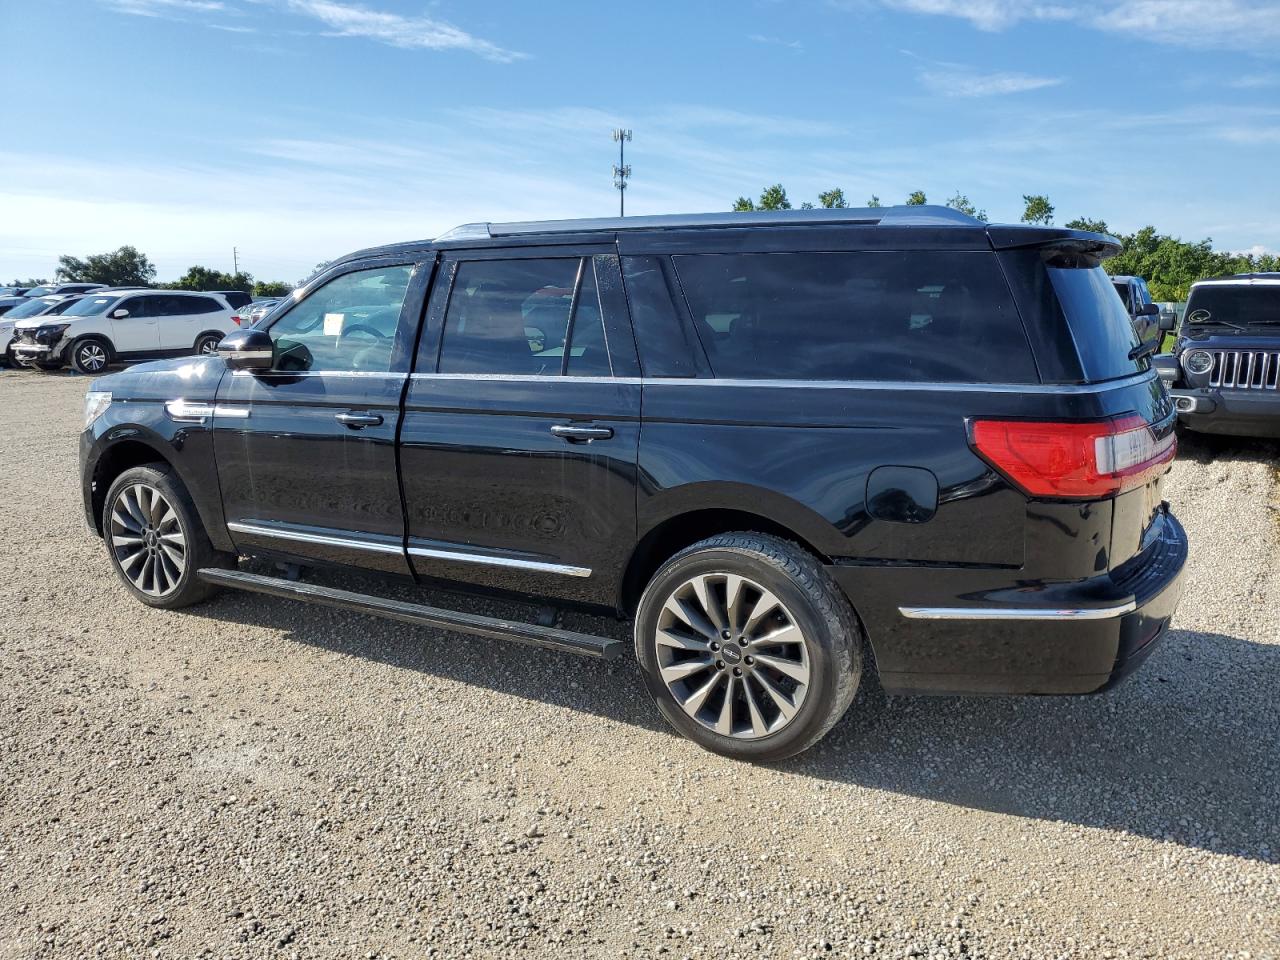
155 539
90 356
207 345
748 646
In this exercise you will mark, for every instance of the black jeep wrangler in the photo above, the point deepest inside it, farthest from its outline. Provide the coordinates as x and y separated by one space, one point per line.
794 448
1224 372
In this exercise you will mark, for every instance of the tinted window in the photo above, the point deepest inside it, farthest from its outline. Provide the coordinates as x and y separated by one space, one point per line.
32 308
236 298
1122 289
515 316
1235 303
1100 323
348 324
666 349
857 316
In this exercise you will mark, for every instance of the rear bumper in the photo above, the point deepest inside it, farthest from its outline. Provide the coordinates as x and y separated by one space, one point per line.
1064 638
1232 412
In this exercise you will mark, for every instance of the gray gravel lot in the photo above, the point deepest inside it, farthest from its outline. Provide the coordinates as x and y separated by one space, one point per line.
257 778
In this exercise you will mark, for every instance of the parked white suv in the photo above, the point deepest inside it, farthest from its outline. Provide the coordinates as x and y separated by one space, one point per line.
107 326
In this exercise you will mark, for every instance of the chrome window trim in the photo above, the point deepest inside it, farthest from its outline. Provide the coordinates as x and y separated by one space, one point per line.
536 566
319 539
318 373
1049 388
1016 613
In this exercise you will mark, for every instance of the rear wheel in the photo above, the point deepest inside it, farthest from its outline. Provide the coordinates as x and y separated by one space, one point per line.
207 344
90 356
155 539
748 646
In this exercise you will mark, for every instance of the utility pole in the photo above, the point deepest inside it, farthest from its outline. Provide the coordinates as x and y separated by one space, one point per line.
235 259
620 170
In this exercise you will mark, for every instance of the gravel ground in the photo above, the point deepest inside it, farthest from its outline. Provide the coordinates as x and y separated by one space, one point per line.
257 778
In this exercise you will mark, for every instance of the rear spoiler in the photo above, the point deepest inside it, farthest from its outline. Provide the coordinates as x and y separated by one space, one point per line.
1074 247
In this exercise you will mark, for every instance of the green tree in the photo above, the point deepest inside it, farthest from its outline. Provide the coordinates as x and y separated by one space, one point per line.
1084 223
743 205
874 202
206 278
29 283
964 205
1170 265
774 198
125 267
271 288
833 199
1039 209
917 199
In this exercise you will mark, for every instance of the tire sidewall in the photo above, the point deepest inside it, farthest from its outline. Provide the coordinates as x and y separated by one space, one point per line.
832 654
190 588
202 340
77 346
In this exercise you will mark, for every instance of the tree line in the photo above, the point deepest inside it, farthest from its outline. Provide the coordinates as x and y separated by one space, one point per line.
1169 264
129 267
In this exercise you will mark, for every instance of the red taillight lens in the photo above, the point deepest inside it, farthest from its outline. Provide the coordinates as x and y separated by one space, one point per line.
235 318
1077 461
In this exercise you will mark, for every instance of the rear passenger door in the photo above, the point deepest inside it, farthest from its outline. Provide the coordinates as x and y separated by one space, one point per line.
518 449
185 318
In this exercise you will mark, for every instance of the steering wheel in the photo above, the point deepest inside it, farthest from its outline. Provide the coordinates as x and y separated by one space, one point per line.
362 328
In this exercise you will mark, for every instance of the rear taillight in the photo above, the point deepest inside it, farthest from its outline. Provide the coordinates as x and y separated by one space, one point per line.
1077 461
235 318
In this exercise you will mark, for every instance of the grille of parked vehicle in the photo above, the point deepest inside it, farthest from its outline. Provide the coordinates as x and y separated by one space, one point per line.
1246 369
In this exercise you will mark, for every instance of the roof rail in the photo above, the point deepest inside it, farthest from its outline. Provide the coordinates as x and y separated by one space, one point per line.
869 216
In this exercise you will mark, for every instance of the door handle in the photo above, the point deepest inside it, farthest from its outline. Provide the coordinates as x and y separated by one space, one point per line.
357 421
579 434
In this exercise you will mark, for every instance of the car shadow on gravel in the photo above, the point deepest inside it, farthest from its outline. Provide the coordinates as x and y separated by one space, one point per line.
1183 751
1206 448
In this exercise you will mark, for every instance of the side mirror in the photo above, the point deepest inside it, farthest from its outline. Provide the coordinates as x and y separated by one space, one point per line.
1147 310
247 350
1168 321
119 314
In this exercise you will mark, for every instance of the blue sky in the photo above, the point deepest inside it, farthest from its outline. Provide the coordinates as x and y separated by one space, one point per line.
297 130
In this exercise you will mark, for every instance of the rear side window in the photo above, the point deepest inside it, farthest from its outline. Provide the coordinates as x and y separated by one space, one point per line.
518 316
919 316
1099 321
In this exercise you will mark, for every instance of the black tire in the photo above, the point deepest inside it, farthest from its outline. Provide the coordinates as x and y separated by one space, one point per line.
206 343
90 355
809 600
183 589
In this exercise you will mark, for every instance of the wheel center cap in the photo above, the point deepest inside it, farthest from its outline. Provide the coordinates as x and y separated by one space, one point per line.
151 538
731 655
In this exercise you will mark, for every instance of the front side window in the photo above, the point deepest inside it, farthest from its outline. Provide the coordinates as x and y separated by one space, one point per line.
348 324
907 316
516 317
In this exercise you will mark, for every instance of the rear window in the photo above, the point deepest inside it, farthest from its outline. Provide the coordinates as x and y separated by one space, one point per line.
1099 321
920 316
1243 305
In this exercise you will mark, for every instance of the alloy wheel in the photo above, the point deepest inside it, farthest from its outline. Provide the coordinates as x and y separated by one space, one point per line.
732 655
147 539
208 347
92 357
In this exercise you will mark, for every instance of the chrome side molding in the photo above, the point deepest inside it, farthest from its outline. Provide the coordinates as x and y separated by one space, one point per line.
1018 613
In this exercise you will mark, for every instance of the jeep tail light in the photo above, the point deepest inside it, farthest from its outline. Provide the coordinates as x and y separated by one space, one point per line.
1077 461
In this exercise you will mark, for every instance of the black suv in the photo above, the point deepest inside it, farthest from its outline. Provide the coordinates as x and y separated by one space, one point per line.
1225 368
796 449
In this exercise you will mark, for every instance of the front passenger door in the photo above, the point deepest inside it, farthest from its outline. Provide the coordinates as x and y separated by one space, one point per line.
137 334
306 451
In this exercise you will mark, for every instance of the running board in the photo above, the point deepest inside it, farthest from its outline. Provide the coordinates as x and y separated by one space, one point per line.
565 641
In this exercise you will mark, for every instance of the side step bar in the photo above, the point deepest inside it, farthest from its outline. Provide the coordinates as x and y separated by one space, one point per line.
565 641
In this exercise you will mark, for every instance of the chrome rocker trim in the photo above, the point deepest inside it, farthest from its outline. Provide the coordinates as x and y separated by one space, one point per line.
1018 613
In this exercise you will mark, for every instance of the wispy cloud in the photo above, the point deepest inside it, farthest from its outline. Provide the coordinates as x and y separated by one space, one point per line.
777 42
1255 81
397 30
956 81
165 8
1227 24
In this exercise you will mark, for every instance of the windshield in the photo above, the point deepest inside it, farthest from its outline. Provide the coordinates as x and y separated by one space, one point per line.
90 306
1237 303
9 291
32 308
40 291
